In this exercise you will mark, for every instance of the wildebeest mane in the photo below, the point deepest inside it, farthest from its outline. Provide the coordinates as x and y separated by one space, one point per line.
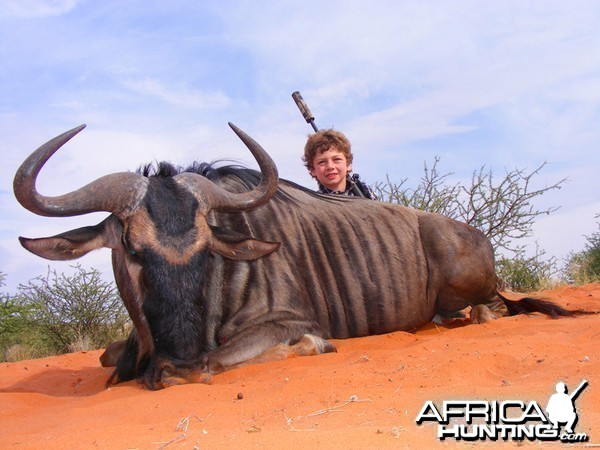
250 178
164 169
217 173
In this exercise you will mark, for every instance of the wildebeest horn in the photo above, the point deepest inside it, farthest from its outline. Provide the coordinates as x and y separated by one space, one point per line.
120 192
220 199
116 193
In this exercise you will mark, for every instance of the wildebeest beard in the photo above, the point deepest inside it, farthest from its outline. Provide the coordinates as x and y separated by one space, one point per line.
174 307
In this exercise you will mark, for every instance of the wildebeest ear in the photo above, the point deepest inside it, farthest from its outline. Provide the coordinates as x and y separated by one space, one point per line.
74 244
233 245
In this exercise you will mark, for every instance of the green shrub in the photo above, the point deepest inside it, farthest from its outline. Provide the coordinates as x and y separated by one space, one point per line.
20 352
525 274
584 267
61 313
19 335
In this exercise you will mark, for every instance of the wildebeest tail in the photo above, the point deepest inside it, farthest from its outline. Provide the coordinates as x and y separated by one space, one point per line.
528 305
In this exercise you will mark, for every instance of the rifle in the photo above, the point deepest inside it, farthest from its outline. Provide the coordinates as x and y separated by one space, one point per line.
303 107
357 186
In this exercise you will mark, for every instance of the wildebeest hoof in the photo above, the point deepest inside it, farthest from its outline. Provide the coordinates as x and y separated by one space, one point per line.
309 344
482 314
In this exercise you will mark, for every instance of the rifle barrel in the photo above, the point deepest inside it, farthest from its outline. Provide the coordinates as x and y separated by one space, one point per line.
303 107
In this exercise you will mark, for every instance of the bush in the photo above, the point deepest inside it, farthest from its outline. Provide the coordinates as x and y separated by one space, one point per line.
525 274
584 267
19 337
19 352
60 313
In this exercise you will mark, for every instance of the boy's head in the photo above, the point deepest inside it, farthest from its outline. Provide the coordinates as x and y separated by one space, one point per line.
328 158
322 141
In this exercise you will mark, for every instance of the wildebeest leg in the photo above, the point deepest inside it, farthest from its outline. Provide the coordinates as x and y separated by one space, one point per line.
307 345
260 343
461 269
255 340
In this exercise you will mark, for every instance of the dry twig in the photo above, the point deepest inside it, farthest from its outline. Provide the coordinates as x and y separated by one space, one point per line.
351 399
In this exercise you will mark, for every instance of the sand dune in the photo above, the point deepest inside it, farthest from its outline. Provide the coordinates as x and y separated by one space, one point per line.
365 396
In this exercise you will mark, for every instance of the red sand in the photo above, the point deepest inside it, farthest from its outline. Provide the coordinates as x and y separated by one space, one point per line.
61 402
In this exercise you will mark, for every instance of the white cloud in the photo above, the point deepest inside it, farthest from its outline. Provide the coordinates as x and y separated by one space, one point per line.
179 97
30 9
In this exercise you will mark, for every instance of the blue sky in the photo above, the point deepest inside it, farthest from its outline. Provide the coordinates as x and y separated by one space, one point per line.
507 84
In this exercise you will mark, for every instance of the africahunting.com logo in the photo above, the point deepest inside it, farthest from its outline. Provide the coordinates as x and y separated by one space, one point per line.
472 420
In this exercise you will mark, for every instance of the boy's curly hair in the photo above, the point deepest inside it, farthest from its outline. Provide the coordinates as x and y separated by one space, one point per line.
321 141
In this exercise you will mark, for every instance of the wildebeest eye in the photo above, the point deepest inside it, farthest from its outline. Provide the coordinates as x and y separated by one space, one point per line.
135 255
129 248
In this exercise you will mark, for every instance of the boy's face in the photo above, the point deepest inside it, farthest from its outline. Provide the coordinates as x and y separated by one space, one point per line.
330 169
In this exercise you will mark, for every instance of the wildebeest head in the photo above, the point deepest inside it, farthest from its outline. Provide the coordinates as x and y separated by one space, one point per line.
159 236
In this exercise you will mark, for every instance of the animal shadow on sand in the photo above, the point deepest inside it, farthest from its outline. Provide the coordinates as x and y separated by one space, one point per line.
62 382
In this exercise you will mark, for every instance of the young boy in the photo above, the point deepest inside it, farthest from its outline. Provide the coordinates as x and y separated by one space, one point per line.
328 158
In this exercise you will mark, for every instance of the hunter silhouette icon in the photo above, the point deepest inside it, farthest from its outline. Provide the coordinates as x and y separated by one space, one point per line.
561 406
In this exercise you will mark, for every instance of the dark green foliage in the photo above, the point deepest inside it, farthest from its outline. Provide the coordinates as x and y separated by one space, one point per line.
584 266
525 274
19 336
60 313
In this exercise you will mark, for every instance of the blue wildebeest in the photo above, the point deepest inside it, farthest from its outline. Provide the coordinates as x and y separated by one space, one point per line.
222 267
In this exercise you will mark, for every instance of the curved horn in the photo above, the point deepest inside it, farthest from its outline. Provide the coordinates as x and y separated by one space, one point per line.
116 193
220 199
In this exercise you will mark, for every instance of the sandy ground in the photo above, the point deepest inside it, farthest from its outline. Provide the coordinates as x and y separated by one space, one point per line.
367 395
